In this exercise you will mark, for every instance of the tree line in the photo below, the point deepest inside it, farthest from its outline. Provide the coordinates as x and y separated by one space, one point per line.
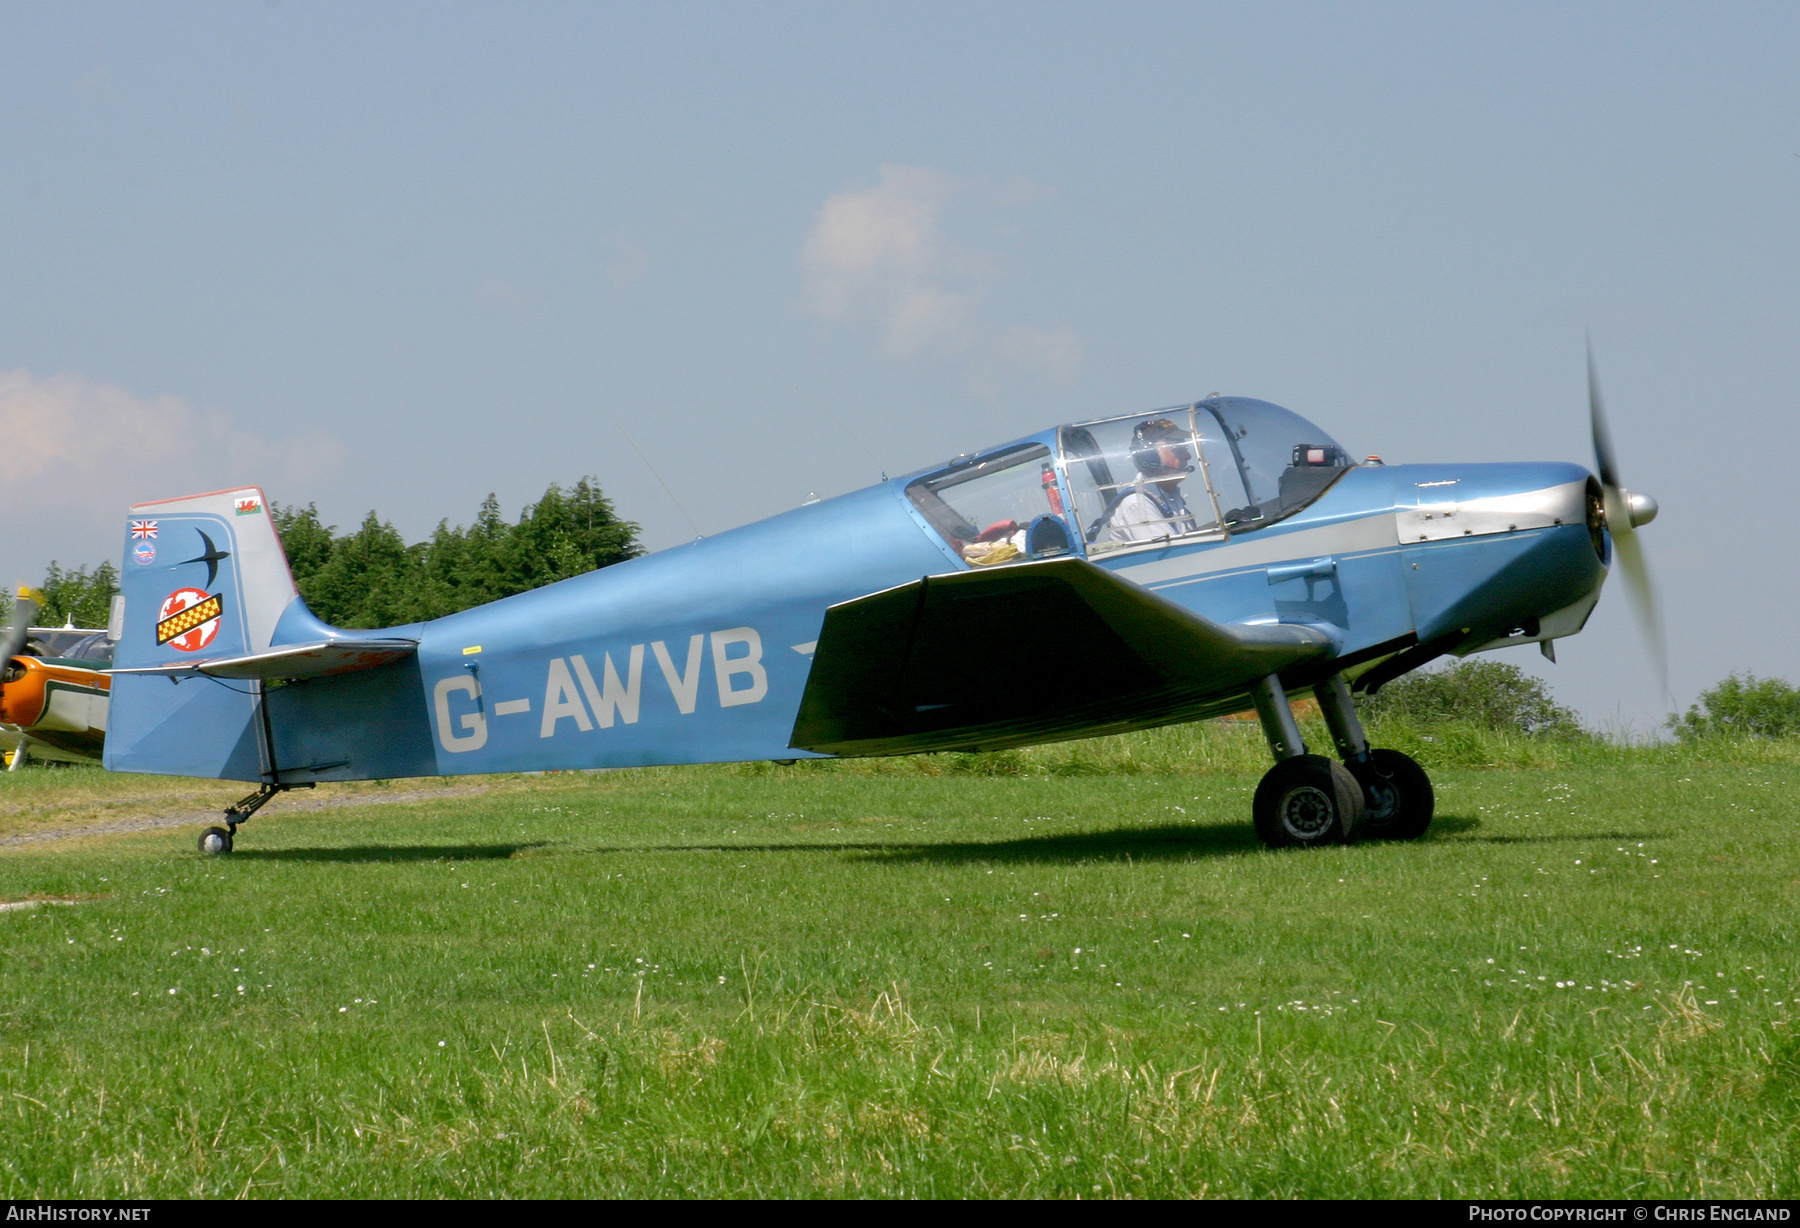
81 597
371 577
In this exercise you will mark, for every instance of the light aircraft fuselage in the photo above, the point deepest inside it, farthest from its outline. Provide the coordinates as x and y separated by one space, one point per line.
772 641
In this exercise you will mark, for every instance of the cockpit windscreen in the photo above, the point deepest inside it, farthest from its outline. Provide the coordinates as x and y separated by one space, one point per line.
1004 507
1285 461
1189 473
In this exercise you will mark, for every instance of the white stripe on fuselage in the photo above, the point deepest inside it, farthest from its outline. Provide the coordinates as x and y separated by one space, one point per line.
1442 519
1367 535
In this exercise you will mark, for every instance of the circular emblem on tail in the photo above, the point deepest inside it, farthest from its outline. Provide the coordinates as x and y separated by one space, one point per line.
189 619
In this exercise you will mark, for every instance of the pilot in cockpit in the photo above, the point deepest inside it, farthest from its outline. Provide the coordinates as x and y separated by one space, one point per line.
1152 506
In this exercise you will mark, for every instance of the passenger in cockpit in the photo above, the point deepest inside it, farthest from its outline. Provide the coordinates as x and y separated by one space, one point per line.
1153 506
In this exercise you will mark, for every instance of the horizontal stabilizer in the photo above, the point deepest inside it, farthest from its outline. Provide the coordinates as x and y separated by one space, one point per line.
1023 654
293 662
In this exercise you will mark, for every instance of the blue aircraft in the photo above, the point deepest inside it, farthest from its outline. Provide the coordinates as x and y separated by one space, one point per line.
1092 578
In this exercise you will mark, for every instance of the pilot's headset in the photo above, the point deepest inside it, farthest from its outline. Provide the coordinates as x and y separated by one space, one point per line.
1147 441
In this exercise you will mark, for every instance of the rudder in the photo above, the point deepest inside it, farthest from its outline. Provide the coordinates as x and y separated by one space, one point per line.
204 576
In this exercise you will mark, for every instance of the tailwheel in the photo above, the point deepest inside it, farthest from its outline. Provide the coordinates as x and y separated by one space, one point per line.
1308 800
217 840
1397 795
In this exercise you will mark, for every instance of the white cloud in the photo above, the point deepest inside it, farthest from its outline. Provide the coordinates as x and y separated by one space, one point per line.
75 453
879 258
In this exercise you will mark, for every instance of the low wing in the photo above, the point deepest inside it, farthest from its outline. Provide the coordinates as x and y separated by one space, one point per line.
1033 653
292 662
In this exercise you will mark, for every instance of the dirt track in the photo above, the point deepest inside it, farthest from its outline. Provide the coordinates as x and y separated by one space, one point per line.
201 818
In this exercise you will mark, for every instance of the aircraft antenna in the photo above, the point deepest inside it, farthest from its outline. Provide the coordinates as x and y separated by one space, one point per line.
659 479
849 430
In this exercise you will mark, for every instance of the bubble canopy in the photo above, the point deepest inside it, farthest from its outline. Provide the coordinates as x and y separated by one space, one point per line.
1210 470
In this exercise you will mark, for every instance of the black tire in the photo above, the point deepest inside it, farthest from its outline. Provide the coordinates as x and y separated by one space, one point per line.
215 841
1397 796
1306 801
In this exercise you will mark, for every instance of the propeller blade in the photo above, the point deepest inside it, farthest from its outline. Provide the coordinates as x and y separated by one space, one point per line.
1604 462
1636 570
1618 501
1627 550
12 638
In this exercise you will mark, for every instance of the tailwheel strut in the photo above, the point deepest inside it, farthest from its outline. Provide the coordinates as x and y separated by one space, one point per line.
217 840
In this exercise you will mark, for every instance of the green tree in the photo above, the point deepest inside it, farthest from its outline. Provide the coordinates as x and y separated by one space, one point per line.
80 596
463 567
307 541
1742 707
372 578
1491 694
368 579
563 534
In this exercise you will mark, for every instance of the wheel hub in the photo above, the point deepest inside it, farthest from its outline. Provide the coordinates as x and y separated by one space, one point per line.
1307 812
1383 800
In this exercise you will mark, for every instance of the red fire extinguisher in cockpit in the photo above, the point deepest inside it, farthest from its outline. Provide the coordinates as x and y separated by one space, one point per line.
1052 491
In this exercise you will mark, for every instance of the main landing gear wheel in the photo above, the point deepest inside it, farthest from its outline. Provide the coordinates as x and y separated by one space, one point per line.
214 841
1308 800
1398 797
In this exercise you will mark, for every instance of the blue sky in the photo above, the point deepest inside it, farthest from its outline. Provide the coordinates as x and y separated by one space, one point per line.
397 256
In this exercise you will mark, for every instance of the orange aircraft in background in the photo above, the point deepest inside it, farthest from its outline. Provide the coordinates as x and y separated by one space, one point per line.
54 689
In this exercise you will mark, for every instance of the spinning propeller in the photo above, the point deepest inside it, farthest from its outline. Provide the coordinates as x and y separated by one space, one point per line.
12 639
1625 511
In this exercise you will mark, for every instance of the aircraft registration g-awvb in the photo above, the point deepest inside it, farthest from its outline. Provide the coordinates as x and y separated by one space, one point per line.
1092 578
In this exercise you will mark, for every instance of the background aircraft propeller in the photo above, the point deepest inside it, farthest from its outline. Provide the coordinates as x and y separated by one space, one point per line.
1625 512
12 639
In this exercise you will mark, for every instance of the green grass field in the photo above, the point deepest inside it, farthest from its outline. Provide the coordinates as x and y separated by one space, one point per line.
1070 972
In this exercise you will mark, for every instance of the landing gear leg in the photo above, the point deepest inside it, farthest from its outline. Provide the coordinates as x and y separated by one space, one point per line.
1304 800
18 758
217 840
1397 794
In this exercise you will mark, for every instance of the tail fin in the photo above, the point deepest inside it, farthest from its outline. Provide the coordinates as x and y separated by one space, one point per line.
204 576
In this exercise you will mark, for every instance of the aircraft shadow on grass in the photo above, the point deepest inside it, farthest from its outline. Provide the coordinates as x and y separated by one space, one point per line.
1583 837
1163 842
1457 825
394 852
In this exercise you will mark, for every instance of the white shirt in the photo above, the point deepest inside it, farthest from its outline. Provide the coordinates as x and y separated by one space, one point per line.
1140 517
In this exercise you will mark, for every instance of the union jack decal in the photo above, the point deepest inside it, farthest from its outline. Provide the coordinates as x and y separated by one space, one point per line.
143 528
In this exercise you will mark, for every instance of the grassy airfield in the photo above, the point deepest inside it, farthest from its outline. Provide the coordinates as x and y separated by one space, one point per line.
1065 972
